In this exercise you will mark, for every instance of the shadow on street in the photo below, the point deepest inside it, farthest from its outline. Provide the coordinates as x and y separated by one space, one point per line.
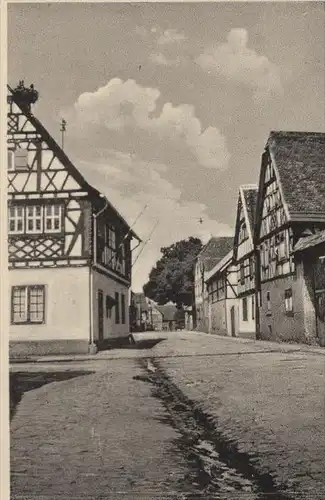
21 382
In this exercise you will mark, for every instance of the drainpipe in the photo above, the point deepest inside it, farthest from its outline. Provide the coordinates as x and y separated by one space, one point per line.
93 347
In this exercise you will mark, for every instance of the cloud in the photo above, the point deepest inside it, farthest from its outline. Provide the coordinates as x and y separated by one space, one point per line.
131 183
161 60
235 61
171 36
126 105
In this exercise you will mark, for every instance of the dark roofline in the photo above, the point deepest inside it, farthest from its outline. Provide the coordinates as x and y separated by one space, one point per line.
66 161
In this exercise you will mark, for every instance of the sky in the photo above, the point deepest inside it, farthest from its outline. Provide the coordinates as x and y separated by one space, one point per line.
169 106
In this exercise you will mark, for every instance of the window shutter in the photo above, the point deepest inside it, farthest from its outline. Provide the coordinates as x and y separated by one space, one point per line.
21 159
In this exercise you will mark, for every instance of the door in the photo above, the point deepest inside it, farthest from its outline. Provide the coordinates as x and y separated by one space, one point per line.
320 316
232 321
100 300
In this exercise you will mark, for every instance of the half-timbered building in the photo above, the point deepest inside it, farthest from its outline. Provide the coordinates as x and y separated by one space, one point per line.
69 249
221 283
290 207
244 256
214 250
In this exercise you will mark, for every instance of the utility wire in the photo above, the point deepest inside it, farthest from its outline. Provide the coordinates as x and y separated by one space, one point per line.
145 243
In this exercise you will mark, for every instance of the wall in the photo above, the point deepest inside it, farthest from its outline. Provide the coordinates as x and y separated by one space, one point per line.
66 327
109 286
247 328
301 326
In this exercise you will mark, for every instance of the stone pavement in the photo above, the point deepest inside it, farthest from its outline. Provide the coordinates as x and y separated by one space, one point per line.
101 434
95 436
267 397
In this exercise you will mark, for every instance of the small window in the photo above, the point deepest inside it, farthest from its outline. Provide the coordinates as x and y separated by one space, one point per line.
117 308
16 219
28 304
268 301
245 315
288 302
52 218
21 159
34 219
123 308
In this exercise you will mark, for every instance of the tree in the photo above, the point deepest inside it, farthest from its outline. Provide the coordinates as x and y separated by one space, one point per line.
172 278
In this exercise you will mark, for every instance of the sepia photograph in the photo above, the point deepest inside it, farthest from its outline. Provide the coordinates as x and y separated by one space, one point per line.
164 233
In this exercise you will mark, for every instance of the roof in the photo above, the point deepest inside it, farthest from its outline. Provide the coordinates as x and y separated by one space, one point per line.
310 241
215 250
65 160
220 266
168 312
300 160
250 198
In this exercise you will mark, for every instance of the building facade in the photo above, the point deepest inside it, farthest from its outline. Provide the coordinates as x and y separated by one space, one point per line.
69 249
221 282
210 255
290 208
244 256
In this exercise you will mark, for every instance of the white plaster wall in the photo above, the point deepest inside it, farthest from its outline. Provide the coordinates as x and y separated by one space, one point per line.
109 286
66 304
246 326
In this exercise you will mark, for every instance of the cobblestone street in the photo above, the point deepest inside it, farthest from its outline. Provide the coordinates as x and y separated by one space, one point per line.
208 417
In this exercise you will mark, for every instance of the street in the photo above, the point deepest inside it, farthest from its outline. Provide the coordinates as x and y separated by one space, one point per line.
179 415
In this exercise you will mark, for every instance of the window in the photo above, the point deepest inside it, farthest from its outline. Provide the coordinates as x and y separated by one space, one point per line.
34 219
123 308
253 306
28 304
21 159
11 160
268 301
117 308
251 267
111 238
288 301
244 302
52 218
108 306
16 219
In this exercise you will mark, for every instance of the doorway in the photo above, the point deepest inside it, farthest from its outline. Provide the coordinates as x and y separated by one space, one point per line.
232 321
320 317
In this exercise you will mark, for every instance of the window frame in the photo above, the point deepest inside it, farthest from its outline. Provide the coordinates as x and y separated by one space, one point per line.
25 217
288 300
27 306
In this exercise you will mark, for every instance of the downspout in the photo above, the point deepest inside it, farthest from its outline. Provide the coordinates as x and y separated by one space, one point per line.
93 349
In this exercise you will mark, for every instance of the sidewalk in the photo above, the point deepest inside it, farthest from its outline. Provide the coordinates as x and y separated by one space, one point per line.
198 341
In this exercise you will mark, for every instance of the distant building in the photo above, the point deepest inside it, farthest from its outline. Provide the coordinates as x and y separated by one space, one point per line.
168 312
210 255
244 256
289 238
222 297
145 314
69 248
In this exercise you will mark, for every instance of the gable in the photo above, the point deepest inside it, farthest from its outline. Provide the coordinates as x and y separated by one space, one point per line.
36 164
272 211
243 229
